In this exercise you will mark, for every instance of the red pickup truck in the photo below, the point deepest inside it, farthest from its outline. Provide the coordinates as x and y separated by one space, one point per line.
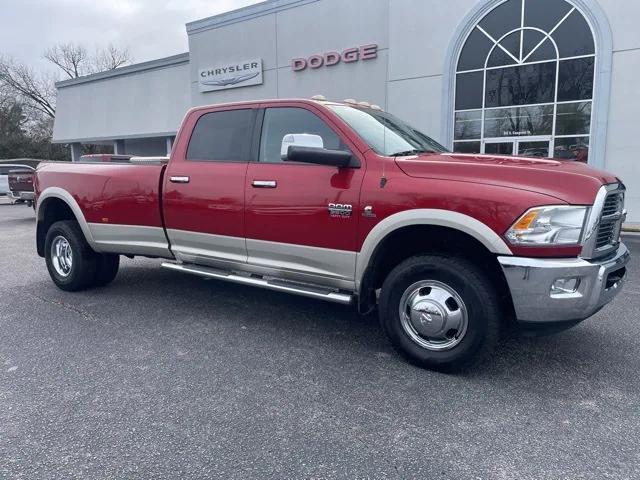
347 203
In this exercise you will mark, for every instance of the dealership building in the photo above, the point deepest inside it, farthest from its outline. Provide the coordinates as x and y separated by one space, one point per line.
556 78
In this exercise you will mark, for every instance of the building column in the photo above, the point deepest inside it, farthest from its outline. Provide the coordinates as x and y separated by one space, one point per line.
118 147
169 143
76 151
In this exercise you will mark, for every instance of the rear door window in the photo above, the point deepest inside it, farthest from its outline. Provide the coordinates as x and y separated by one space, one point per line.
222 137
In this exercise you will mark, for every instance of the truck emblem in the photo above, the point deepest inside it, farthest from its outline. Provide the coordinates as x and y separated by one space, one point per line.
340 210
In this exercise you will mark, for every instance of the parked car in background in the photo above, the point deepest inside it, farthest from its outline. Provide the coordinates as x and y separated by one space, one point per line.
5 170
21 184
347 203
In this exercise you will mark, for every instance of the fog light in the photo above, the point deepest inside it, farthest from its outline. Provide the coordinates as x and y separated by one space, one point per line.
565 285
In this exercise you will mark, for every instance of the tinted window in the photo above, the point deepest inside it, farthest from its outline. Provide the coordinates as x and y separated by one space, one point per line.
475 51
518 121
576 79
522 85
573 118
469 90
574 148
222 136
466 147
468 125
500 57
503 19
279 122
574 37
545 14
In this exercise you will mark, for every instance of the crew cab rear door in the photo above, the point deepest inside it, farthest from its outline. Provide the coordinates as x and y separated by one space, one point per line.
301 219
203 197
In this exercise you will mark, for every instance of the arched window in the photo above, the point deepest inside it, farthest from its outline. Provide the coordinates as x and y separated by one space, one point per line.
524 82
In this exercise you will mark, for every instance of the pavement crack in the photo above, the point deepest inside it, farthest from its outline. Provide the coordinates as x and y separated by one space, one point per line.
72 308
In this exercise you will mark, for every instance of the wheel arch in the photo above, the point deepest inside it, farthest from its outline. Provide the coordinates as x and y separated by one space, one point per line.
423 231
55 204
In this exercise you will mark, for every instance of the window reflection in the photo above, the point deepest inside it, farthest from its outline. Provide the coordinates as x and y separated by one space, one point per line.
522 85
522 54
519 121
574 148
573 118
468 125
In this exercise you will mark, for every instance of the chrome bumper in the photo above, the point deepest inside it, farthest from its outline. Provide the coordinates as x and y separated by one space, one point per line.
531 279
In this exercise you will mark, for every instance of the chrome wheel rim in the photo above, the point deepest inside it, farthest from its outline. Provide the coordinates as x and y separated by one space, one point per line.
433 315
61 256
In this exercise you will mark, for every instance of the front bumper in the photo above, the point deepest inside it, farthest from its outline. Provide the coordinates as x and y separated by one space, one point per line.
531 280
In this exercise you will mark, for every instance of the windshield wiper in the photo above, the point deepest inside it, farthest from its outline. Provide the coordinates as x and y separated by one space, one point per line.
407 153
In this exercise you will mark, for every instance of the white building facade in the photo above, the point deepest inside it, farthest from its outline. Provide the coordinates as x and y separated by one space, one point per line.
520 77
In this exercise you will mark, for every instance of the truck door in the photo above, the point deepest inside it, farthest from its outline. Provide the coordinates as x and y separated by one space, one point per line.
204 187
301 219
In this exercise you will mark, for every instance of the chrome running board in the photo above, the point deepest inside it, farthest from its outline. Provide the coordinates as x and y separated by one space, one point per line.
278 285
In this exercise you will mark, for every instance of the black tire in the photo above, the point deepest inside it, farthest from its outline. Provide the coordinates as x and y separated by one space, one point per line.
108 264
82 272
481 304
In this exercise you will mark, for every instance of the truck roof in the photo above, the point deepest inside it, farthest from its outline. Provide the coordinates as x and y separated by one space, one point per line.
251 103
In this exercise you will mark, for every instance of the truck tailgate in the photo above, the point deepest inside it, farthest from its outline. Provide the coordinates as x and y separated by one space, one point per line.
21 180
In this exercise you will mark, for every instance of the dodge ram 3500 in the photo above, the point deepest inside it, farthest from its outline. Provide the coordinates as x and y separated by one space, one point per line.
346 203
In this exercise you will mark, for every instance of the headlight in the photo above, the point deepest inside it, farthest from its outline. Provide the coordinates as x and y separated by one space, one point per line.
553 225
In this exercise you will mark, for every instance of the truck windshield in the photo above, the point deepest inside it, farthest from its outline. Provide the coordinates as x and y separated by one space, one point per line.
386 134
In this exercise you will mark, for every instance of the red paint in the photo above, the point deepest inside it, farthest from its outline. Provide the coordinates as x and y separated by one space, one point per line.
221 200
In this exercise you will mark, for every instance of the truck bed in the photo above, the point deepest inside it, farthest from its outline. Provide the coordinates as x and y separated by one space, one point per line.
109 193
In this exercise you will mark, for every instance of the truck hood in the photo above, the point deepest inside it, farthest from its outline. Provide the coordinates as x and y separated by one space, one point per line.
571 182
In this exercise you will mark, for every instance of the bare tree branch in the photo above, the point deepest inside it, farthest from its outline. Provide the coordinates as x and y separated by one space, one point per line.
37 91
74 60
71 58
110 58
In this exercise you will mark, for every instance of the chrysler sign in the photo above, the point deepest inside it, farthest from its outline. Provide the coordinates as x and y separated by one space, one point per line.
232 75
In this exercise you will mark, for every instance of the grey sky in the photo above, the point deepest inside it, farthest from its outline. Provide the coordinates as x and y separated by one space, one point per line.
150 28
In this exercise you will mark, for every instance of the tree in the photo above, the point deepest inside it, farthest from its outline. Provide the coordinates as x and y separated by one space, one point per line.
37 91
27 97
75 61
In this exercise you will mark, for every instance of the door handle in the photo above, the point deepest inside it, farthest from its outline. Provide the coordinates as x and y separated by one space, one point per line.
264 184
179 179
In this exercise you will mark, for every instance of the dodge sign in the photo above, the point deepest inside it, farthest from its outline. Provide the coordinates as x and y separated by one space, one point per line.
231 75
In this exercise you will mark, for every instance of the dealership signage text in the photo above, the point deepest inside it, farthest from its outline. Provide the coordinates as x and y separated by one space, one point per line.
231 75
329 59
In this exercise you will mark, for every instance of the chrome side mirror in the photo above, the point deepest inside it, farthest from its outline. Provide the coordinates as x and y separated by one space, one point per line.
299 140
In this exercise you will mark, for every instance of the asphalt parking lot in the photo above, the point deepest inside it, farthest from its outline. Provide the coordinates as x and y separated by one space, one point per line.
161 375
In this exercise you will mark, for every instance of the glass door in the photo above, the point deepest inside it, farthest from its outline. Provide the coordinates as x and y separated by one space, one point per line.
500 147
533 148
523 147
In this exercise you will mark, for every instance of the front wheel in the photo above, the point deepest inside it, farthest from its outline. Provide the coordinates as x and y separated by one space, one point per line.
440 312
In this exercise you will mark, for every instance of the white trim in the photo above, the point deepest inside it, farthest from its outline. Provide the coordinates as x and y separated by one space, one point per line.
427 216
59 193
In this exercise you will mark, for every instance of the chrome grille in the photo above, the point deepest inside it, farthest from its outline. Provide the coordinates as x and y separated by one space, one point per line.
613 204
608 234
